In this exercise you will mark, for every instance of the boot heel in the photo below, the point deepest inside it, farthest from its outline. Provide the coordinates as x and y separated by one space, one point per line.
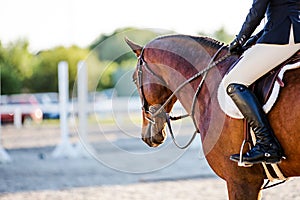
273 160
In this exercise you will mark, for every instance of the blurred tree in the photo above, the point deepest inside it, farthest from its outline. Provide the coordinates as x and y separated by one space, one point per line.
223 36
107 57
220 34
113 47
44 77
15 65
10 80
115 55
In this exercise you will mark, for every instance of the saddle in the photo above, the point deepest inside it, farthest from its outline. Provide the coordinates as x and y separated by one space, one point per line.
263 87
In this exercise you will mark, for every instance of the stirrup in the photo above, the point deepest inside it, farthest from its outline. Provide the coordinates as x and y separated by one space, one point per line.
241 163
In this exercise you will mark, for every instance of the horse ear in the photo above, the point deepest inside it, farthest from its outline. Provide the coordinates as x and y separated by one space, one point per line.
137 49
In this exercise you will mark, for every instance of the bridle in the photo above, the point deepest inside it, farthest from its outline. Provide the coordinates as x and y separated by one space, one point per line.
142 63
160 111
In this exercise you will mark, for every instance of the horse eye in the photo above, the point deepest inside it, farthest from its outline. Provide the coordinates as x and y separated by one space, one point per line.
134 80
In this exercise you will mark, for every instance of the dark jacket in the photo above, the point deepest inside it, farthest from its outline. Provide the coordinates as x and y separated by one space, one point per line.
280 15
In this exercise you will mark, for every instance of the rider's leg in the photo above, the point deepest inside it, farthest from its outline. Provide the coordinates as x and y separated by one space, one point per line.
256 62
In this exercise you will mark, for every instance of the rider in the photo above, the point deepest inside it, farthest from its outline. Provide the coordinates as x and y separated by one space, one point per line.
278 41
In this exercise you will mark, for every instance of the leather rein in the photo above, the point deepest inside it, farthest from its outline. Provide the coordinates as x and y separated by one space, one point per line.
160 112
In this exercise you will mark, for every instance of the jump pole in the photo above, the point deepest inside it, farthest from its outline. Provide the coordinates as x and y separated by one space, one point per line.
82 94
64 149
4 157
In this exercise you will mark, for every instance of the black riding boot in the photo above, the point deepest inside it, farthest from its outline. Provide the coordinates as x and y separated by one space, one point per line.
267 148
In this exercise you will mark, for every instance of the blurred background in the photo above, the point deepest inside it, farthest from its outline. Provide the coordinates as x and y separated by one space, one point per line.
42 157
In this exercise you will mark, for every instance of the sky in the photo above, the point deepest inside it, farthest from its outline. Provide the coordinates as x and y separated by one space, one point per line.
49 23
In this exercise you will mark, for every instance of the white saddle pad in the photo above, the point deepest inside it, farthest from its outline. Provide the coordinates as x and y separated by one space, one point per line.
228 106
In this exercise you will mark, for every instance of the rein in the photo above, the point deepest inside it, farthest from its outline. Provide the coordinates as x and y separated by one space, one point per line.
160 111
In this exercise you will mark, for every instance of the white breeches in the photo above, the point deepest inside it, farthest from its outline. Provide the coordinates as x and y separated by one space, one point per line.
258 60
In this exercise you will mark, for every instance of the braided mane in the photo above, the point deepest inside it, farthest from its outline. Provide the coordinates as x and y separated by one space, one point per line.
206 41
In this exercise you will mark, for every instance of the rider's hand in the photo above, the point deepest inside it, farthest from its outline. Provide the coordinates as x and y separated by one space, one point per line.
250 42
235 47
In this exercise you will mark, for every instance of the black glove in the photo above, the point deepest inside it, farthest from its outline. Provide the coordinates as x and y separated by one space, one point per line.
235 47
252 40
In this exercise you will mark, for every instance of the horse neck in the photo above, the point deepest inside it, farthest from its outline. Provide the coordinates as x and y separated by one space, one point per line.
207 107
178 62
175 71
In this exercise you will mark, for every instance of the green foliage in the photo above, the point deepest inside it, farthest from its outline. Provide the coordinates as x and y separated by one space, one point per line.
107 59
114 48
115 56
22 71
10 80
44 77
106 77
222 35
15 61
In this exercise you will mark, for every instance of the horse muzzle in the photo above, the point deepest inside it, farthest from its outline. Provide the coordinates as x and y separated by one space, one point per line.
152 137
153 132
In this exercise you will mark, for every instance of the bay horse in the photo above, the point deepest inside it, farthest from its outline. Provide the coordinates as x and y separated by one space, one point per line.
166 62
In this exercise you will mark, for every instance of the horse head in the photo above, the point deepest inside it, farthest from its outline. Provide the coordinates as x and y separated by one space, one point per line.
153 94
